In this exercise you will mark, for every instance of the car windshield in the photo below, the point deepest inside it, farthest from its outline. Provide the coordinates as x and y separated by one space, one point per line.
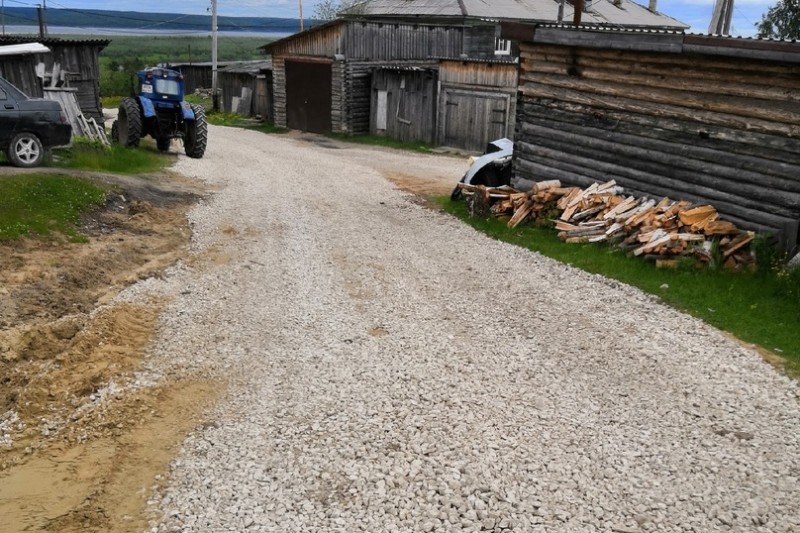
167 86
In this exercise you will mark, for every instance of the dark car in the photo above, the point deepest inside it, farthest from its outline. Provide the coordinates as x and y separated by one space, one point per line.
29 126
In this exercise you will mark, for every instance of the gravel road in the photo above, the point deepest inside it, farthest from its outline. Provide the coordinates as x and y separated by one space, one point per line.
393 370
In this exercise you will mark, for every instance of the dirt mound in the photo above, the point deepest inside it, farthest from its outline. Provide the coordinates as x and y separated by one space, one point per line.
76 454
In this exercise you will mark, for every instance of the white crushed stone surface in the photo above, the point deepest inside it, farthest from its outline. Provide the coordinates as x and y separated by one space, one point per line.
393 370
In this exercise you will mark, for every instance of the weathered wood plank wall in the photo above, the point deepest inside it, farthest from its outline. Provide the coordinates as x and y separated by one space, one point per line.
377 41
21 72
81 60
699 127
477 103
410 110
231 84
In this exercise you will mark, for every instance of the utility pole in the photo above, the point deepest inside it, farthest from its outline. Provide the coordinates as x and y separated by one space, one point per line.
301 14
3 3
214 95
40 13
721 18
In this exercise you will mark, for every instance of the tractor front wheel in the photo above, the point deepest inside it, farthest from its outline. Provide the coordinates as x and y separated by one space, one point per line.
195 136
129 123
163 144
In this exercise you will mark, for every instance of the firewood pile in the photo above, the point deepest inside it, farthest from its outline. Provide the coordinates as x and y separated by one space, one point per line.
665 231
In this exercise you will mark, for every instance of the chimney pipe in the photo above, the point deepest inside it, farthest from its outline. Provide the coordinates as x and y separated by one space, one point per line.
578 9
652 6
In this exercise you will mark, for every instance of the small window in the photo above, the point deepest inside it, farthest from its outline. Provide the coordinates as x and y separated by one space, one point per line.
502 47
167 86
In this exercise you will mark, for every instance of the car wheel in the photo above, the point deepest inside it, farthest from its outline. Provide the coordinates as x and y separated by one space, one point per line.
25 150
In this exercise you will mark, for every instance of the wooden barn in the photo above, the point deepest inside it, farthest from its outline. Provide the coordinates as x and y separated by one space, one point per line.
692 117
77 59
324 76
477 102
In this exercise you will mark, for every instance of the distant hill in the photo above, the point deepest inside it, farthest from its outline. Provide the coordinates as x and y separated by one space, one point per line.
95 18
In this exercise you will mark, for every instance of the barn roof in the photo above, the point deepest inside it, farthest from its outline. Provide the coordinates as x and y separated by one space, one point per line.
624 13
52 41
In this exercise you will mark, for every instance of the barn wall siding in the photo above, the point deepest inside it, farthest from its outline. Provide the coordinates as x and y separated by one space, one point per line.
372 41
82 63
477 103
410 111
699 127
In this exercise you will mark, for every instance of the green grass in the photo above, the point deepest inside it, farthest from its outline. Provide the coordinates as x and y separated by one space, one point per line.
42 204
115 158
763 309
111 102
377 140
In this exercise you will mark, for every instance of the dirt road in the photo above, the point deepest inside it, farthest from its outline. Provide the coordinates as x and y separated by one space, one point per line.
386 368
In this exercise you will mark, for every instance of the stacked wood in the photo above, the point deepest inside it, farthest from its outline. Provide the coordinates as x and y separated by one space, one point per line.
663 231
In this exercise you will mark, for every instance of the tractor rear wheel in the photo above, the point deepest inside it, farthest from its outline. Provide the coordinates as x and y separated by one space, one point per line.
129 123
195 136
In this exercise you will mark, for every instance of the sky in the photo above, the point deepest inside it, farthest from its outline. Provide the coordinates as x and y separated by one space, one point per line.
697 13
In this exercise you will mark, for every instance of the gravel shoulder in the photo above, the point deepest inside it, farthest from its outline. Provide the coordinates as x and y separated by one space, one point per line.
393 370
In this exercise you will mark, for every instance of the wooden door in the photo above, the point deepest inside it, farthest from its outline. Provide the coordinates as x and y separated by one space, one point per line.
308 96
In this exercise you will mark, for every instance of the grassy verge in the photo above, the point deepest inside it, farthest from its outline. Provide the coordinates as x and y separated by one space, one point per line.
86 155
111 102
377 140
42 204
763 309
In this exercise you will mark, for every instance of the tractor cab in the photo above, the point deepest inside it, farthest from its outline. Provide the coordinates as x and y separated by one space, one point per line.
161 85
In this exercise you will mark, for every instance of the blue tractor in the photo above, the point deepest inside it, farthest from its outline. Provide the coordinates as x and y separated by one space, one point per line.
160 112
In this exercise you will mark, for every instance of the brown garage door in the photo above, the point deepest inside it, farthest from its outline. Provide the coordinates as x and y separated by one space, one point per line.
308 96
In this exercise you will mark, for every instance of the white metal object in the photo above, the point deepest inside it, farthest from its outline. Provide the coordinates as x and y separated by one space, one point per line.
26 48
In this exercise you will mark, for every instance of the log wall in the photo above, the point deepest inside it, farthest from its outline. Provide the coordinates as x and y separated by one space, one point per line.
710 128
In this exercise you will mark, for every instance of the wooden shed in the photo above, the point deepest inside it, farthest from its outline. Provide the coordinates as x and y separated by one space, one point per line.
477 102
78 59
404 103
246 88
700 118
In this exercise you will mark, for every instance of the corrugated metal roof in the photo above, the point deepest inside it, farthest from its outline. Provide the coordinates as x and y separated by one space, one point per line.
249 67
663 40
601 12
47 41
